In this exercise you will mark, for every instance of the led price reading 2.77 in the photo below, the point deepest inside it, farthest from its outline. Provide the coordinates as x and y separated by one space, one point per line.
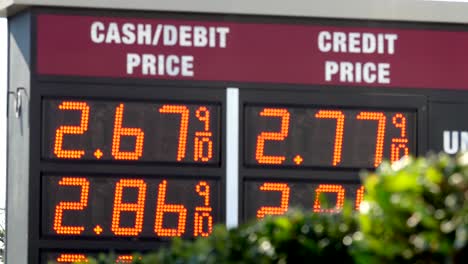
327 137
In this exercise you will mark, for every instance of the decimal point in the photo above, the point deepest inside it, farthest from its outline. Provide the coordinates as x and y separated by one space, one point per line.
98 154
298 159
98 230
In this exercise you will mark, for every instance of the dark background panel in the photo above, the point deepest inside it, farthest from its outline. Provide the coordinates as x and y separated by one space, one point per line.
448 127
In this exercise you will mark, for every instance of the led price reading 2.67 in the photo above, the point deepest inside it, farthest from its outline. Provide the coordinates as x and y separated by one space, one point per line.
131 131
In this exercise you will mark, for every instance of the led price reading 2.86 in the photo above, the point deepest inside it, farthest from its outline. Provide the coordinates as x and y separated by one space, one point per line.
80 206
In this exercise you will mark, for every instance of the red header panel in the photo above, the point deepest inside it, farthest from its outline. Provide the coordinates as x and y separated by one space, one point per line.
114 47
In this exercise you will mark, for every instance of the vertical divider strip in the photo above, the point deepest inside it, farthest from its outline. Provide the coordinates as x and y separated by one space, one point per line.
232 157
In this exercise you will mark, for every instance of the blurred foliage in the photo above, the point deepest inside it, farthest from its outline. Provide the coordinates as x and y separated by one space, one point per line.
292 238
414 211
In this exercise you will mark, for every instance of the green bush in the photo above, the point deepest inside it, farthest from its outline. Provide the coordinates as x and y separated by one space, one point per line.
292 238
414 211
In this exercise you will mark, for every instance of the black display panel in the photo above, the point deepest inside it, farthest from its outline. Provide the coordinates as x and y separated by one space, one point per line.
128 207
448 134
275 197
131 131
326 137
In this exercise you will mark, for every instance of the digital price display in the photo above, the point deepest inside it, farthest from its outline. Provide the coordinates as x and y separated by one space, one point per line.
306 149
276 197
130 131
326 137
110 206
72 257
125 172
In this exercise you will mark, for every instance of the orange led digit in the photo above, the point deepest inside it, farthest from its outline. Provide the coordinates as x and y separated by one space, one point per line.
120 131
329 188
399 145
138 207
183 131
359 197
203 138
283 208
200 215
71 130
203 212
203 114
276 136
399 120
74 206
203 189
340 119
72 258
380 117
162 208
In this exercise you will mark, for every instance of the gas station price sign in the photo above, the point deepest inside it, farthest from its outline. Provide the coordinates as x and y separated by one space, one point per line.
141 127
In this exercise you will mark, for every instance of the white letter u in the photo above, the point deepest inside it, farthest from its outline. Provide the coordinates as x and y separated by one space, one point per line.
451 142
